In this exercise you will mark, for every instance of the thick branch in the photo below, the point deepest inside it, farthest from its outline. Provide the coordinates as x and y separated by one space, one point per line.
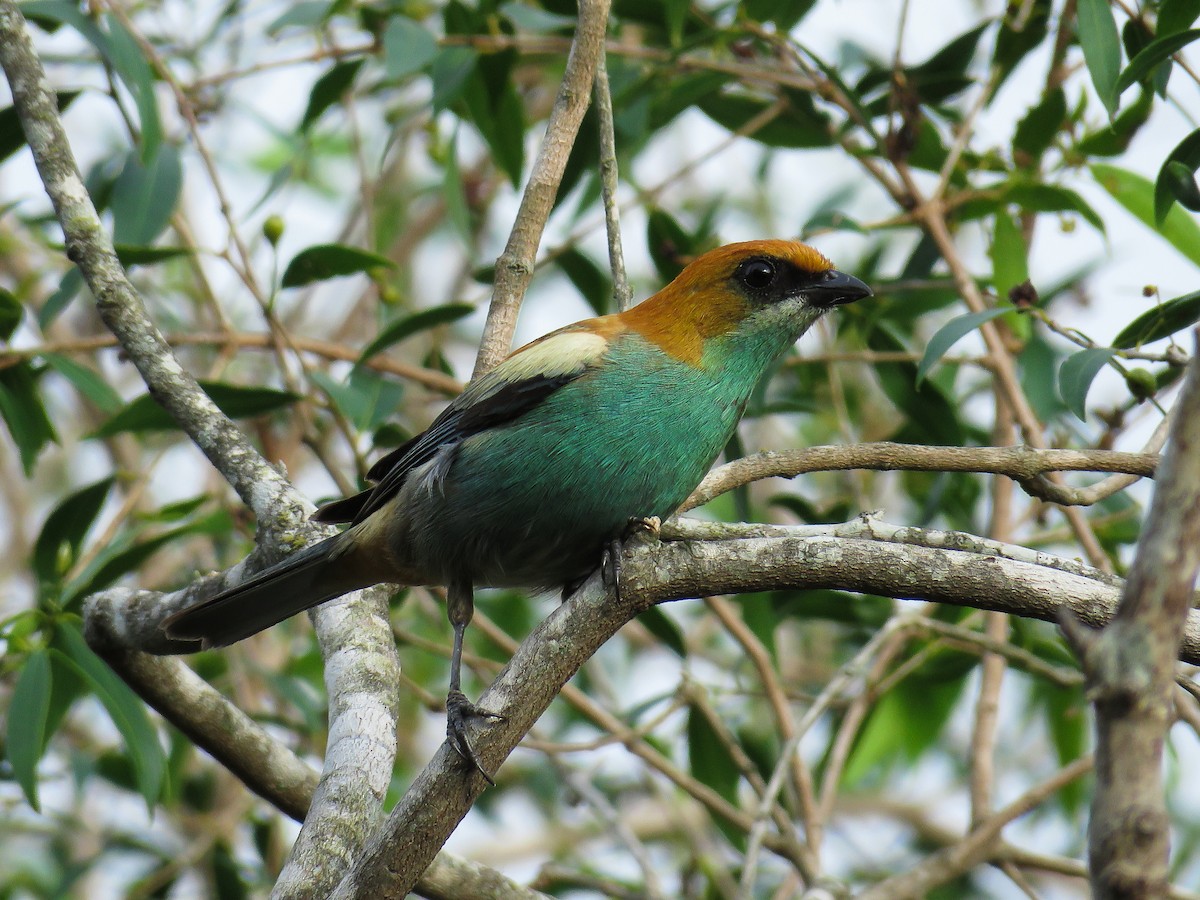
1130 671
657 572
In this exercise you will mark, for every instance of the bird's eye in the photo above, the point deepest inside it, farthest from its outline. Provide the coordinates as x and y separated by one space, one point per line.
758 274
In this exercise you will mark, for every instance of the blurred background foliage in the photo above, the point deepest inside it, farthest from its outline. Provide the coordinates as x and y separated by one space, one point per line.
309 197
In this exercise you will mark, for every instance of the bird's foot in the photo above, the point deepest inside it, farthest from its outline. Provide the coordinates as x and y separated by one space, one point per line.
458 710
610 563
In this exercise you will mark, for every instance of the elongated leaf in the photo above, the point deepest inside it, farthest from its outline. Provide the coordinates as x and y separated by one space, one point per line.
23 412
799 124
329 89
325 261
68 288
12 136
1010 266
1162 321
414 324
366 398
126 711
58 543
457 211
1176 15
1186 152
712 764
121 560
589 279
408 47
950 334
1077 374
1101 48
144 197
1157 51
88 382
1137 195
28 711
236 401
11 313
660 625
1037 130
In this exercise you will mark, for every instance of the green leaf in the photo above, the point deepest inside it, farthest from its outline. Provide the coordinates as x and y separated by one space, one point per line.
408 47
1114 139
329 89
135 70
11 313
669 244
132 255
1187 153
660 625
1181 179
304 15
116 561
455 195
496 110
784 13
535 19
1176 15
68 288
126 711
1137 195
28 712
88 382
1037 130
1052 198
324 261
1013 44
144 197
121 52
950 334
450 71
23 412
589 279
798 125
711 763
908 719
1162 321
1101 48
12 136
366 398
236 401
57 547
414 324
1010 266
1154 53
1077 374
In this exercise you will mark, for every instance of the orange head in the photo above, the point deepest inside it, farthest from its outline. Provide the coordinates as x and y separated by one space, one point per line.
778 286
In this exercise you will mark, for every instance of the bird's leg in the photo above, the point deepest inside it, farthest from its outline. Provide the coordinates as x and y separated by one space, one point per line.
614 550
460 606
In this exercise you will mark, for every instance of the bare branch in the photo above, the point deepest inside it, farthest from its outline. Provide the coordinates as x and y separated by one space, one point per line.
1130 671
1020 463
514 268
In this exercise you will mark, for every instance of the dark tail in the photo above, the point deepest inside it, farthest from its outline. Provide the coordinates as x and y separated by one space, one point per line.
306 578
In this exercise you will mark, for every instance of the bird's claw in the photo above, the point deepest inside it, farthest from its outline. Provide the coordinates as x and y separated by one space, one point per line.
458 710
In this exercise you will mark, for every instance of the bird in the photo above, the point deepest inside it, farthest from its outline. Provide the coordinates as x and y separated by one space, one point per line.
528 477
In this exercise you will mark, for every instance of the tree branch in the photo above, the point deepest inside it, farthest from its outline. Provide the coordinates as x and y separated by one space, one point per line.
514 268
1022 464
1130 668
280 510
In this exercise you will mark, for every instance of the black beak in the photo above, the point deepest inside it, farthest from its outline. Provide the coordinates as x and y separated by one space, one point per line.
834 288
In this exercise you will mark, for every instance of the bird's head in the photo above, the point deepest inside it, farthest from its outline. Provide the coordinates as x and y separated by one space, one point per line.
774 289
